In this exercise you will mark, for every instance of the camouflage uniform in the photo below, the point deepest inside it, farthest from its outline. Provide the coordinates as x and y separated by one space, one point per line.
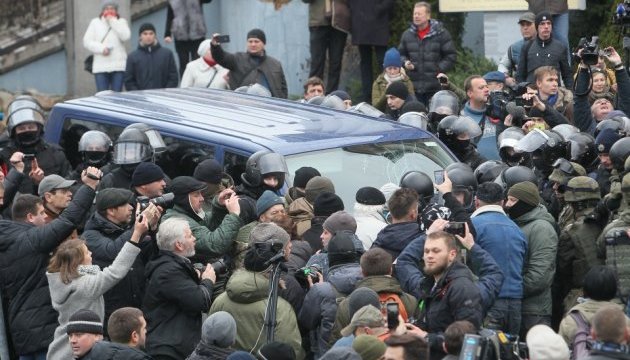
567 215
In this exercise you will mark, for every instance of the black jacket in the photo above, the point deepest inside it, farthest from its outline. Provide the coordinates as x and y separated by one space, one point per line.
395 237
105 350
210 352
173 303
536 53
12 183
370 21
246 69
151 67
434 54
24 253
105 240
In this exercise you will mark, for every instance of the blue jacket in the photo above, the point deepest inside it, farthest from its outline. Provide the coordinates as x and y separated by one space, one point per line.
395 237
504 240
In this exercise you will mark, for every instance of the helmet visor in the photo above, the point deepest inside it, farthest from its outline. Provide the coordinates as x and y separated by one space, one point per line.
157 143
23 116
532 141
272 163
466 125
445 103
367 109
130 153
414 119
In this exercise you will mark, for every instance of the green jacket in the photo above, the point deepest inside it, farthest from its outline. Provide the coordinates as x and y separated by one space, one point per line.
378 90
214 234
617 256
540 261
380 284
245 299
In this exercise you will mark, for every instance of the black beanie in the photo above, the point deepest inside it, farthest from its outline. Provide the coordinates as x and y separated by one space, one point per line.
341 249
327 204
413 106
209 171
398 89
303 175
146 26
542 16
146 173
257 34
84 321
370 196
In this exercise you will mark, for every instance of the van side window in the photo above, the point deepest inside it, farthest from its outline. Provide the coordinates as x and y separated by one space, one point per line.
234 165
182 156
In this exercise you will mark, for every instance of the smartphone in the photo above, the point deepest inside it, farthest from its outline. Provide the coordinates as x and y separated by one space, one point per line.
438 176
456 228
392 315
519 101
28 157
222 39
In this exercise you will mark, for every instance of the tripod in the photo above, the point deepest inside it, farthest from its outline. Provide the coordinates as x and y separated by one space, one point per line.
272 303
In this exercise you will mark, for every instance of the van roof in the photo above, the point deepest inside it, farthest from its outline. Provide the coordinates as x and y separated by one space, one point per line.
246 121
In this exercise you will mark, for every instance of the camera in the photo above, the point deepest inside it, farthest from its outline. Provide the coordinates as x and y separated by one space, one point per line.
590 52
165 201
456 228
617 237
220 267
302 274
492 345
28 157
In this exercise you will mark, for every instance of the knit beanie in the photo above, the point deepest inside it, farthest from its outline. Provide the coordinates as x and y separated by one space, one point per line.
542 16
146 26
369 347
392 58
398 89
370 196
317 185
266 201
361 297
240 355
268 233
84 321
413 106
340 221
326 204
257 34
388 189
303 175
146 173
526 192
277 351
219 329
106 3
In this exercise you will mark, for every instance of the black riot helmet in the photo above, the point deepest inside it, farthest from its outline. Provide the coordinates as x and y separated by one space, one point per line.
421 183
565 130
24 116
582 149
458 165
489 170
545 147
95 148
442 104
619 152
464 182
506 142
263 163
132 147
620 124
457 132
514 175
24 102
155 138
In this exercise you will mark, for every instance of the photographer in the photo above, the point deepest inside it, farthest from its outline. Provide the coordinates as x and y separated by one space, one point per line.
587 116
148 180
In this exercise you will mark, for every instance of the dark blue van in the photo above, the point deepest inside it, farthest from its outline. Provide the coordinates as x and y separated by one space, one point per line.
351 149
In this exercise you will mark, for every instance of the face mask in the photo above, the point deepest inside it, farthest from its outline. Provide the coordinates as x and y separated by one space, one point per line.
518 209
27 138
460 146
129 168
95 158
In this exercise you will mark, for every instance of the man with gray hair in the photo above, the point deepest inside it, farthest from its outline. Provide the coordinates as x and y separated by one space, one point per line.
176 293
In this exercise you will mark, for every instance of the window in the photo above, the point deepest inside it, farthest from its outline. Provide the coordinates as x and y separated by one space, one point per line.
234 165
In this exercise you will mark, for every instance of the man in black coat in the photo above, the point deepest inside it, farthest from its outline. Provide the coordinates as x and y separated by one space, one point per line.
427 50
150 66
25 247
176 294
253 66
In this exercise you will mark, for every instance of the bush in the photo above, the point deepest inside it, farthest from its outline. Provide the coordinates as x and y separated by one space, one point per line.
469 64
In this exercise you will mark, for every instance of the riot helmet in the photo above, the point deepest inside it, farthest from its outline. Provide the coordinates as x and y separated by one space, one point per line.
23 102
25 116
582 149
366 109
464 182
457 132
619 152
564 170
155 138
582 188
443 103
545 147
514 175
415 119
565 130
489 170
254 89
95 148
458 165
619 123
421 183
333 102
263 163
132 147
506 142
316 100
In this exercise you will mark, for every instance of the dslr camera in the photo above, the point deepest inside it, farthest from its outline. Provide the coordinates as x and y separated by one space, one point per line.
219 266
165 201
590 53
302 274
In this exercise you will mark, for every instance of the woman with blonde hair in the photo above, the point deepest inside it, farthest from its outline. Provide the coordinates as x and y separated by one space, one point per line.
75 283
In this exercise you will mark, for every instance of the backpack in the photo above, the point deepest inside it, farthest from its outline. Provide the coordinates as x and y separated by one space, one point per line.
387 297
582 341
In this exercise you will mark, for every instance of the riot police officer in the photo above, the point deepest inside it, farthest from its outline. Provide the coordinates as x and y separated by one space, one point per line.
458 133
130 149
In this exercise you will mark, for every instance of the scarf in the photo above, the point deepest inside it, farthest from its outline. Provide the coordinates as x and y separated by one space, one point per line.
391 79
210 63
88 269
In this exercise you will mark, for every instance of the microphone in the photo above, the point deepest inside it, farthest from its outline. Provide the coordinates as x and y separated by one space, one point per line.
275 258
518 112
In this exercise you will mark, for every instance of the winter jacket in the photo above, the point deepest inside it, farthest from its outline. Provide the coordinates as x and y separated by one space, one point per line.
553 6
314 233
245 299
370 21
536 53
214 234
539 267
503 239
508 63
321 258
199 74
300 253
151 67
380 284
587 309
301 211
378 90
430 56
109 34
395 237
491 128
321 301
338 16
184 20
84 292
370 222
11 185
24 254
210 352
247 69
411 277
105 240
105 350
174 300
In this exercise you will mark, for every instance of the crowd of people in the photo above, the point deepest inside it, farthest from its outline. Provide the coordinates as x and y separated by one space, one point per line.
525 242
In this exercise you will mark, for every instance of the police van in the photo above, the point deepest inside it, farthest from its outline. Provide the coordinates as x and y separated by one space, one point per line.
351 149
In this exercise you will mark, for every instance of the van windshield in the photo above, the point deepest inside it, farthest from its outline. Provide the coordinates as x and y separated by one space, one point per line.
353 167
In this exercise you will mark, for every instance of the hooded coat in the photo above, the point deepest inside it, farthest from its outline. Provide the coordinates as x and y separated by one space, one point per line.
245 299
24 253
395 237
